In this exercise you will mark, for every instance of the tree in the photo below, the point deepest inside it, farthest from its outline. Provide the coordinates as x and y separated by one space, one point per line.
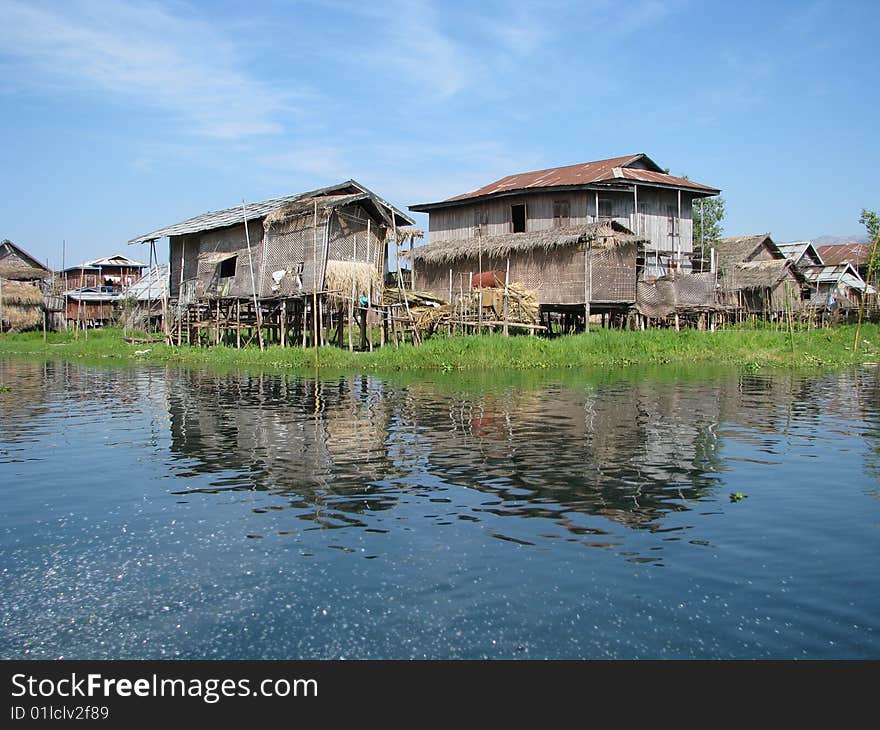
708 214
871 221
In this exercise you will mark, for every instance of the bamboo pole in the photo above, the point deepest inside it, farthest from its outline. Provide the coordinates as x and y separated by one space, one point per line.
353 293
259 315
480 280
868 273
180 288
315 282
416 338
369 311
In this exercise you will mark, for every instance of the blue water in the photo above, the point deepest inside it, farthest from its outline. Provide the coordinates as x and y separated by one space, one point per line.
158 512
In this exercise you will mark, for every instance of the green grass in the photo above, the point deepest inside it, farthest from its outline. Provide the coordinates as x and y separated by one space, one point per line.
750 348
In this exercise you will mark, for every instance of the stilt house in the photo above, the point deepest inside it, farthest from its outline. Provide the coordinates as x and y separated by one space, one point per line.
318 241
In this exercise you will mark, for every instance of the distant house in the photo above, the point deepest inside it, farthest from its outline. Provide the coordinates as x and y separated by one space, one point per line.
111 272
803 254
21 288
93 290
837 287
757 277
858 255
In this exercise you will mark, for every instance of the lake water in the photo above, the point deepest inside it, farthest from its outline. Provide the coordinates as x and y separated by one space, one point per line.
154 512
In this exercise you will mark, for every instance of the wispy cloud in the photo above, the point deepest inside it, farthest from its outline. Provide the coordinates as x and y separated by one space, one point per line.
145 55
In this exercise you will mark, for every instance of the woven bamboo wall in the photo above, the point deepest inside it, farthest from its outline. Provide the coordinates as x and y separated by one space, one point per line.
557 277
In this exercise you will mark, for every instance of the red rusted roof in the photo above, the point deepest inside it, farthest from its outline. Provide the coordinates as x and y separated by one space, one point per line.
585 173
857 254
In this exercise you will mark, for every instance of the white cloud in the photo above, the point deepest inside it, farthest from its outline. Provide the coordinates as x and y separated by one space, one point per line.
143 54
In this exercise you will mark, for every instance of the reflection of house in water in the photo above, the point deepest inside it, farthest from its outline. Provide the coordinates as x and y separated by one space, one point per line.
632 452
320 445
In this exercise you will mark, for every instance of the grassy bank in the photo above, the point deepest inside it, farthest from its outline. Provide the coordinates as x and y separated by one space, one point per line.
736 347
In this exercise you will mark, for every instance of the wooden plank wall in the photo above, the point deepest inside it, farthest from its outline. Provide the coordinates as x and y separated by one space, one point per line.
655 204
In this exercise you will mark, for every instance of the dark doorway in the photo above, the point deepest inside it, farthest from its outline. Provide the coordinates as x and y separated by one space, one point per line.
518 218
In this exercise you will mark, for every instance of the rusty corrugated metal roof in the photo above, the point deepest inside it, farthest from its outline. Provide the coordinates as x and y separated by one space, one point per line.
586 173
857 254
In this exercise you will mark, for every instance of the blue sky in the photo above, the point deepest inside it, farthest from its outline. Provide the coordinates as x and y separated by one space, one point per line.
122 117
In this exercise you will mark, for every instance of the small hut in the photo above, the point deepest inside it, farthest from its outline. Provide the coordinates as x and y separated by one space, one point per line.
838 288
21 289
272 265
757 277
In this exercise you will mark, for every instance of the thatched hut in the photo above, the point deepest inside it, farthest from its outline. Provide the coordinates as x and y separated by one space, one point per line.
21 292
757 277
564 267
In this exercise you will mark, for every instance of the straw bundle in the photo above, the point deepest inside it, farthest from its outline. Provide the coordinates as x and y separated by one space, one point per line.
427 318
522 303
16 292
340 274
22 306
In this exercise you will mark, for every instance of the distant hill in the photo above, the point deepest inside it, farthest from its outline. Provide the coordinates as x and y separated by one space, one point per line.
834 240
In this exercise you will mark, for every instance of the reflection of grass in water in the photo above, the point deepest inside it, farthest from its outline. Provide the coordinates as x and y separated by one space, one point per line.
752 348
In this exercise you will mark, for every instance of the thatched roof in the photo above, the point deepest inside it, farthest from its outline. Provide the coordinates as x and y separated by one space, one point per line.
22 274
14 292
19 264
738 249
604 233
760 274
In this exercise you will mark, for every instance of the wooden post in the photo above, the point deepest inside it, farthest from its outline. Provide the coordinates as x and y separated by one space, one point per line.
506 295
470 285
283 323
461 303
1 305
238 324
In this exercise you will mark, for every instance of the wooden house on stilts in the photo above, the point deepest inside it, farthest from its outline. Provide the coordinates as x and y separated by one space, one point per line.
611 237
282 270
